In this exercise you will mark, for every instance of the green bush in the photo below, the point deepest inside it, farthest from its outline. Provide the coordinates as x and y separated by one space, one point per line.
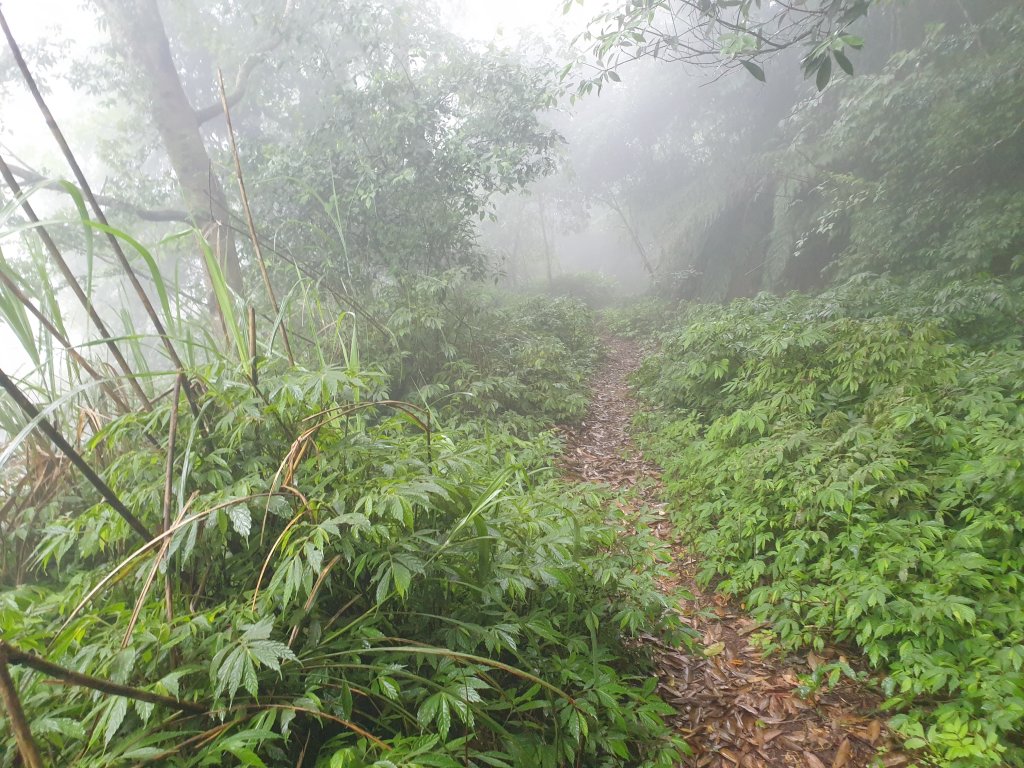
453 344
359 583
852 466
592 288
644 319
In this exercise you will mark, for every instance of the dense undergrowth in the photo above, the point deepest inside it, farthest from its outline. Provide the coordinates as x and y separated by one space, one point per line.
451 343
850 466
350 579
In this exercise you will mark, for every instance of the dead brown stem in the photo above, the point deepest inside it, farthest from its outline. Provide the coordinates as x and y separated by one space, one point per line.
249 220
57 439
16 715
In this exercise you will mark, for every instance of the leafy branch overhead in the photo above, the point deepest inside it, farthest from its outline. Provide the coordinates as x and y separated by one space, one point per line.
721 34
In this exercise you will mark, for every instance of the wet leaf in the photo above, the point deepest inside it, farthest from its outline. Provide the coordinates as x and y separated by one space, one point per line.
842 758
714 649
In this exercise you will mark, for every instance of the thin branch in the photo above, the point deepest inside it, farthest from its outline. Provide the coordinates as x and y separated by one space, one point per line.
72 281
146 214
206 114
172 437
83 466
45 322
83 183
249 220
38 663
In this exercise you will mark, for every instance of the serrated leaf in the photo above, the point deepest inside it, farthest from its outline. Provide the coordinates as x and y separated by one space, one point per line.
388 687
65 726
444 717
115 716
259 631
428 710
402 577
241 519
270 653
346 700
383 586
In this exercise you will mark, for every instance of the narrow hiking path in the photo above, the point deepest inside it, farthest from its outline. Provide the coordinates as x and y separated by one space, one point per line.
735 707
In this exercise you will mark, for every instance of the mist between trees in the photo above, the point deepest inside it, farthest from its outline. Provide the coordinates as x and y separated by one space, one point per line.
295 296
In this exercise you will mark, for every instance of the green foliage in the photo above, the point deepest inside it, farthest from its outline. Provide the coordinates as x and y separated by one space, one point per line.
915 167
641 319
910 166
401 155
851 467
453 344
352 578
723 32
592 288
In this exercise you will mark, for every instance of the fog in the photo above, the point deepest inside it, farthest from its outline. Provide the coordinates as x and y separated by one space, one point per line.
544 383
656 177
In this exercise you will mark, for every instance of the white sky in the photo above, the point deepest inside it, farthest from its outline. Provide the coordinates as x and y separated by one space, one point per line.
487 19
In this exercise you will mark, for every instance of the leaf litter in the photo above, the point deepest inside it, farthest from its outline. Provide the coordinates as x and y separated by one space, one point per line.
735 706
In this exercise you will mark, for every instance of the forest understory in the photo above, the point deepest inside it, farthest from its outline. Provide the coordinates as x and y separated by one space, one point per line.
464 384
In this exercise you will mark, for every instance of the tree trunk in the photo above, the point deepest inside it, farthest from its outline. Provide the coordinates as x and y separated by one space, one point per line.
138 28
633 234
547 245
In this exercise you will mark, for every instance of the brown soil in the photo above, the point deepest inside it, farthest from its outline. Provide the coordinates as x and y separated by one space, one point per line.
735 706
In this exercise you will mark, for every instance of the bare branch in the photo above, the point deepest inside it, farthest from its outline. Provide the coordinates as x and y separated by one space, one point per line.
238 90
16 715
38 663
146 214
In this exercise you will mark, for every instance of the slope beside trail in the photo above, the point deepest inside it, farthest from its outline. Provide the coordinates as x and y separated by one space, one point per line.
734 707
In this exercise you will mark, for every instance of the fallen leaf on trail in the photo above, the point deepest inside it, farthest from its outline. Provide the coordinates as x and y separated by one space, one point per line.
735 706
728 754
715 649
749 627
874 731
842 757
895 760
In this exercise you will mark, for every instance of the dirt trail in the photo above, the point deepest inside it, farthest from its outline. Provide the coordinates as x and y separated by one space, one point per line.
735 708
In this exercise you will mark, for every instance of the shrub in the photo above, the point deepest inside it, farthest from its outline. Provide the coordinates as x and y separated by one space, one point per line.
852 466
351 581
454 345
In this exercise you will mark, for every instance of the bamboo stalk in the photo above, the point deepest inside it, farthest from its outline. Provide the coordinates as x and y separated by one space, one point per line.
249 220
44 321
16 715
172 438
83 466
83 183
253 370
72 281
38 663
